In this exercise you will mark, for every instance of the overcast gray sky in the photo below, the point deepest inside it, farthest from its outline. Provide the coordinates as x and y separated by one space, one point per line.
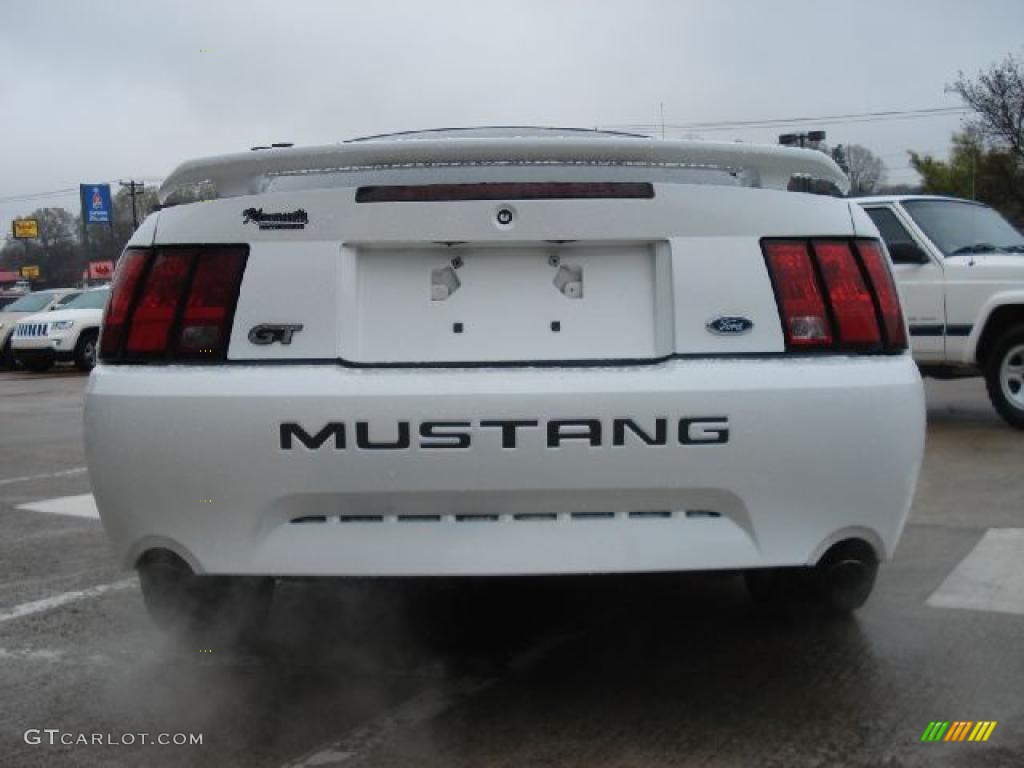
98 91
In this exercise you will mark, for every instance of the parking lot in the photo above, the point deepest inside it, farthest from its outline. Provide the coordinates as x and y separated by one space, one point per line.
651 671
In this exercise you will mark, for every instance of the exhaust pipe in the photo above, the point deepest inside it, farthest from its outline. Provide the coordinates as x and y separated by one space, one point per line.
845 575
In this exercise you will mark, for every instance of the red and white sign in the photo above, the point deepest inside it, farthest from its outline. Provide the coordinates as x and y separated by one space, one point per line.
101 270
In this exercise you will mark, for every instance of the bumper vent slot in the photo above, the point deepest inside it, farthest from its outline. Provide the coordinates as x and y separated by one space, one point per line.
651 514
593 515
362 518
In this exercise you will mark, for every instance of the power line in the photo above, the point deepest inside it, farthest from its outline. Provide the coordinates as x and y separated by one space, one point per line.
854 117
29 196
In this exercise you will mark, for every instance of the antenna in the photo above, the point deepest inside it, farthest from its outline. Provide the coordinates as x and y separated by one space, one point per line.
662 106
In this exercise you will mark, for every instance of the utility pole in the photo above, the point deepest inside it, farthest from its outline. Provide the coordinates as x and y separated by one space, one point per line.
132 187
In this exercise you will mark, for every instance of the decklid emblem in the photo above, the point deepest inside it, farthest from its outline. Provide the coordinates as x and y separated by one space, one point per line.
729 325
284 220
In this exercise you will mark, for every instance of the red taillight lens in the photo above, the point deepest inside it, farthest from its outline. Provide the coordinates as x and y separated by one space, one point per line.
804 318
174 303
126 280
852 305
206 321
158 303
859 295
885 290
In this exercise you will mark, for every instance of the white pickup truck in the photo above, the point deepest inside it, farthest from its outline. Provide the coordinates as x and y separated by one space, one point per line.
505 352
960 270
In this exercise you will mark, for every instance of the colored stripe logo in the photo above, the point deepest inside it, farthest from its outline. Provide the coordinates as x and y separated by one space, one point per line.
958 730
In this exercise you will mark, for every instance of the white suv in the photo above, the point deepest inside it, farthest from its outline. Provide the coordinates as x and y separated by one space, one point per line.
960 270
68 334
517 352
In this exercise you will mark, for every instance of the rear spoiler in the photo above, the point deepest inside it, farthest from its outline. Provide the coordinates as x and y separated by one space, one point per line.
247 173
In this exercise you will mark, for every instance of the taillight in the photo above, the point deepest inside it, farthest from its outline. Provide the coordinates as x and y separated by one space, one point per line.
885 289
157 305
206 321
126 281
173 303
835 294
852 305
800 301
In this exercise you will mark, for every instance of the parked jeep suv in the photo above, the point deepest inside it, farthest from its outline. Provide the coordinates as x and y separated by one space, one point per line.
516 352
960 270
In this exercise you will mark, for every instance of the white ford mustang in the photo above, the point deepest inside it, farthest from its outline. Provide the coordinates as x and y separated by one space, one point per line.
501 353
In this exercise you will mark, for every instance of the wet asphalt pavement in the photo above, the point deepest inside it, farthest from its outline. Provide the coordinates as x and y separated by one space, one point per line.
642 671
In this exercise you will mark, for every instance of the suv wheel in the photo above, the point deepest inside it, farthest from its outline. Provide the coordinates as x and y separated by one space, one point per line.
85 351
1004 376
182 602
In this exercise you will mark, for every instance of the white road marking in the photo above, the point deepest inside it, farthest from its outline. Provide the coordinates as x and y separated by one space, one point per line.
990 578
421 708
49 603
47 476
75 506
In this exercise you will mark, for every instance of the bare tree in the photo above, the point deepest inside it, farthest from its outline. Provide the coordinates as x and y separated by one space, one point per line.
997 96
866 170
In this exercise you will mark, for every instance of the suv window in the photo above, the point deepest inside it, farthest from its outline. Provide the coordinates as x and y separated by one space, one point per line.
68 298
892 230
960 226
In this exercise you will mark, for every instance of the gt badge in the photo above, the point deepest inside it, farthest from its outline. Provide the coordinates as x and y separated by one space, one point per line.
268 333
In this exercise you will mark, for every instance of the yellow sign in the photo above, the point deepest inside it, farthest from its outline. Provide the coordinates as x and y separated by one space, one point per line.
30 272
25 229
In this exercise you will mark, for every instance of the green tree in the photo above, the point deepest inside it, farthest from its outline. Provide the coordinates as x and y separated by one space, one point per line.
977 171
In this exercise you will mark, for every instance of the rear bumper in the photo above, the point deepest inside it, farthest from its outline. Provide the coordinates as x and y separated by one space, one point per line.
816 450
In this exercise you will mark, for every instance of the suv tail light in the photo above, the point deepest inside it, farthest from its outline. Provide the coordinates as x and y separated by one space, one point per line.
173 303
835 295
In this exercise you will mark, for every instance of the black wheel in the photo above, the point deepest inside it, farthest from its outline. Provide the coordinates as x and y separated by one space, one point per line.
182 602
1004 376
37 364
85 351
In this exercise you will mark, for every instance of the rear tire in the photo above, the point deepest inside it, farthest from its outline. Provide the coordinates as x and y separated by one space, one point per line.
85 351
178 601
1004 376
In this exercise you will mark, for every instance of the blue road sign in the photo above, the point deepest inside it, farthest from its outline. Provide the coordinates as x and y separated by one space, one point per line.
96 207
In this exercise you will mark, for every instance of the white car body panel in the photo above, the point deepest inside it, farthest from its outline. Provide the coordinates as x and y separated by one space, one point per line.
818 449
788 453
956 293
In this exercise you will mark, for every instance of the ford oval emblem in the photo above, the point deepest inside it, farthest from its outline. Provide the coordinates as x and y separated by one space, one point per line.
729 325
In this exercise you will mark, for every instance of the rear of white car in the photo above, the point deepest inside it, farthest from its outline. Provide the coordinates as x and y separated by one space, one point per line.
494 356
